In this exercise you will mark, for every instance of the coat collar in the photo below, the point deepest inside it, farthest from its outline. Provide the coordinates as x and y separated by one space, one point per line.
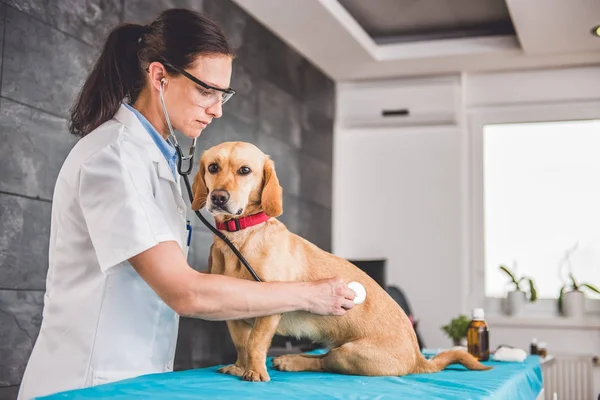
167 150
142 137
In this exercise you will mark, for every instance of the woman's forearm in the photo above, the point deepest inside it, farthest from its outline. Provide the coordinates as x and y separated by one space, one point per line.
218 297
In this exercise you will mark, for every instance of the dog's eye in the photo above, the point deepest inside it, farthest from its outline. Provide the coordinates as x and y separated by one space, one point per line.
244 170
213 168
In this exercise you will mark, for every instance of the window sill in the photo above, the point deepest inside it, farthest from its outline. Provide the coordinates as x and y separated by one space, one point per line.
585 323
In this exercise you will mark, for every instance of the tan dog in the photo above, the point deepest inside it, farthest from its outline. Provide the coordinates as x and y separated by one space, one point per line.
236 179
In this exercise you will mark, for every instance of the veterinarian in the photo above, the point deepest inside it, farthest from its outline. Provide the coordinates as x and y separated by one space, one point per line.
118 278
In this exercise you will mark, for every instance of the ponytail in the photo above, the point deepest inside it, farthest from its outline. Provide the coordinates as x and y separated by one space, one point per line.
116 75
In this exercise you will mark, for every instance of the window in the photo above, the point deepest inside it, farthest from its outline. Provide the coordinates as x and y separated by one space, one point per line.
541 203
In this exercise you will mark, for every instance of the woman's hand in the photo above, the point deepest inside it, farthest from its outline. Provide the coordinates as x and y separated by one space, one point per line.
329 297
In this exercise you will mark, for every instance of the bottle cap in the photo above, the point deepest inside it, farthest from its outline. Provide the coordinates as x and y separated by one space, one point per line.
478 313
361 293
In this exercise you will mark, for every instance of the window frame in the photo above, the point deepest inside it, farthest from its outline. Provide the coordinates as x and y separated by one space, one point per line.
473 211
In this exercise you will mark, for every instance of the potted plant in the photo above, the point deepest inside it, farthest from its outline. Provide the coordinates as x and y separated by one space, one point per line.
457 330
516 299
571 299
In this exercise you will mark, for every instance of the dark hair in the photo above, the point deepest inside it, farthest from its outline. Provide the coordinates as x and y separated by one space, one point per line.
177 37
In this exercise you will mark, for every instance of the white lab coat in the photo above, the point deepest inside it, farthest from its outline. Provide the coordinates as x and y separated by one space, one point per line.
115 197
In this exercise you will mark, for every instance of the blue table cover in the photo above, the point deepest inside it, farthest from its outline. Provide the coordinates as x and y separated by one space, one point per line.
507 381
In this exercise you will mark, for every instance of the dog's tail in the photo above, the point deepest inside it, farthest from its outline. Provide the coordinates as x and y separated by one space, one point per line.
445 358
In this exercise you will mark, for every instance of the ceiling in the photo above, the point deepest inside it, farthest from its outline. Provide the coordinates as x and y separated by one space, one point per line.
393 21
370 39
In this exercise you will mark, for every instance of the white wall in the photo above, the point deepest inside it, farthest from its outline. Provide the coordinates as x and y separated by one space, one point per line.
400 189
396 194
396 198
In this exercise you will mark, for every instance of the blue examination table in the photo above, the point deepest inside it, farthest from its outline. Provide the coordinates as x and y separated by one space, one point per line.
507 381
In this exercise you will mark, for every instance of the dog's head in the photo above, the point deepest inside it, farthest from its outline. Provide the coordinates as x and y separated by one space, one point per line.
236 179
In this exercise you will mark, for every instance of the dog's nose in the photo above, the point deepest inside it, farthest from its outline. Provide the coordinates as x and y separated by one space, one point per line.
219 197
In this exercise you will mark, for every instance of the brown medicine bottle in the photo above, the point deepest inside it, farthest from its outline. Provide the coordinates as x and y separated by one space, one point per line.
478 339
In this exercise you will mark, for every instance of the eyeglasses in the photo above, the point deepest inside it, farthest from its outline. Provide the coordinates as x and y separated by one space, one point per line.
210 95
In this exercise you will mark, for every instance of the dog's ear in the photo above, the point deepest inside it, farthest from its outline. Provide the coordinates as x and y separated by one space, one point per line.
199 189
272 193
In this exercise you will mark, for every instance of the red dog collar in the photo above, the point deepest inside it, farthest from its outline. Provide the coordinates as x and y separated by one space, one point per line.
234 225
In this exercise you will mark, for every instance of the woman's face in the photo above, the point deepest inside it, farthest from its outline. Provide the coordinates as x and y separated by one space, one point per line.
191 106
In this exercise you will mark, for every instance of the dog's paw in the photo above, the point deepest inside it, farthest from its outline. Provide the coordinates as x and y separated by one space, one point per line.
284 363
256 376
232 370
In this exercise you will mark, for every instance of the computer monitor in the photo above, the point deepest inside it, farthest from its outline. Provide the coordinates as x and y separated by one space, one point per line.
375 268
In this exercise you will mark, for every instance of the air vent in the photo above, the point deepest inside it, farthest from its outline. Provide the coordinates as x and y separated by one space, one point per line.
403 112
404 102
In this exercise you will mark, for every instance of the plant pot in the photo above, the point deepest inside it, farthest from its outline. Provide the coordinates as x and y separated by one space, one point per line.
460 342
515 302
574 304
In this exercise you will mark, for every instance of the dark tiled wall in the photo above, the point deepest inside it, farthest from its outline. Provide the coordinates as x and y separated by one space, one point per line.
284 105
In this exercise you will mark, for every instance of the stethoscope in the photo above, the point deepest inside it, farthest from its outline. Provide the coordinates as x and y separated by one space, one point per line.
184 172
